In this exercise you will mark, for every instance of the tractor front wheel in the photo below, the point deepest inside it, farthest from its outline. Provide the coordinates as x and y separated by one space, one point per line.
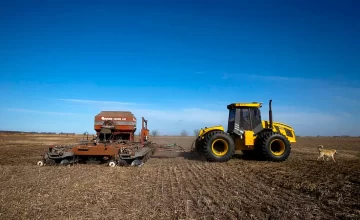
218 146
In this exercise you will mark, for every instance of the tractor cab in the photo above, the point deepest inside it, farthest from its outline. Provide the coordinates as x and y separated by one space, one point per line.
244 117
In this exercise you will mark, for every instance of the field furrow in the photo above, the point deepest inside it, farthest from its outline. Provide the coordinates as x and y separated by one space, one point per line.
175 185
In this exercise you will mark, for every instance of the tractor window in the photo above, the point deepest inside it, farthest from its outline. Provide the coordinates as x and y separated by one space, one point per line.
232 114
231 121
245 122
255 117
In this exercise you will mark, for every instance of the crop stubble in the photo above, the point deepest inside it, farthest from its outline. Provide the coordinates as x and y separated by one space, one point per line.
180 186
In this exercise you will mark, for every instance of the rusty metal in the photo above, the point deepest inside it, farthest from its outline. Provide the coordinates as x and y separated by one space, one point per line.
119 152
110 148
118 124
144 134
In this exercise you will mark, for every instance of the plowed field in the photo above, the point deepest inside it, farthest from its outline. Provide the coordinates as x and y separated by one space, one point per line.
175 185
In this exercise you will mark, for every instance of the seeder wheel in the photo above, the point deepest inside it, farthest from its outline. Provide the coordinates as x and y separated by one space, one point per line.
112 164
123 163
64 162
40 163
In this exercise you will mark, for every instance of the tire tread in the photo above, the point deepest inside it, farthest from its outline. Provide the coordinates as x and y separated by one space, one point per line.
261 145
208 155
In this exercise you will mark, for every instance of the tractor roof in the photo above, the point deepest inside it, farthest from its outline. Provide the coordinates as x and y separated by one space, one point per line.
248 104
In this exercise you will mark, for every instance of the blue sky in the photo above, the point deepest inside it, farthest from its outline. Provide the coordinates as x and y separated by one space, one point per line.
179 63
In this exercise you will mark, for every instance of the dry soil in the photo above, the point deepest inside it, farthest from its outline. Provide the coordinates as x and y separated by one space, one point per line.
180 185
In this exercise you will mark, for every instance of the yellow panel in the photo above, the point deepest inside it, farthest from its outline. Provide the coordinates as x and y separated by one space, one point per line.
282 127
249 138
247 143
282 131
293 138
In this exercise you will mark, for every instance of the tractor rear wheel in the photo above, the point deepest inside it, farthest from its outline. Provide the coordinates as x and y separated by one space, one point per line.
273 146
218 146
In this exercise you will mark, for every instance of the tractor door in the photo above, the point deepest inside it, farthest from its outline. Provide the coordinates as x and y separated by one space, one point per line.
245 120
255 116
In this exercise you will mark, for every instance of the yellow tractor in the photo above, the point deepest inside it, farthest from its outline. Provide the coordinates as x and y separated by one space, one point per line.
248 133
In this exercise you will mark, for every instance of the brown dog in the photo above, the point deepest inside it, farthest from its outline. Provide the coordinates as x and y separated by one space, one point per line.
326 153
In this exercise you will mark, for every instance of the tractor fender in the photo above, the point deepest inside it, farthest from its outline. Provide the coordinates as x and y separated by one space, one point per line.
204 131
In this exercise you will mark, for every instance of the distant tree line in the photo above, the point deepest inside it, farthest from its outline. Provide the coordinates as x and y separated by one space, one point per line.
341 136
338 136
183 133
33 132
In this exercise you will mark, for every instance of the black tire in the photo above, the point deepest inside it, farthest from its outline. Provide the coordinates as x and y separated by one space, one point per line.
50 162
272 146
64 162
198 146
224 140
123 163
